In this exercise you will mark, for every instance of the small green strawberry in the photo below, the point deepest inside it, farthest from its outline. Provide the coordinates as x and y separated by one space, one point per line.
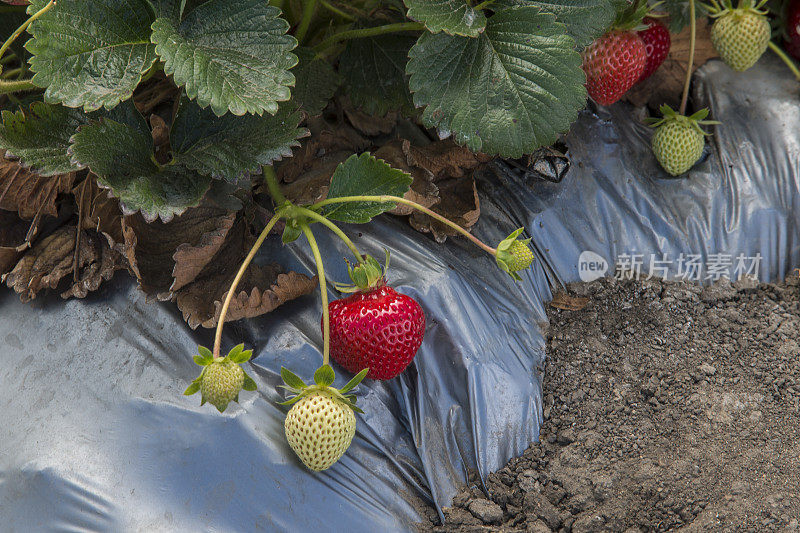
320 425
222 378
740 35
679 141
514 255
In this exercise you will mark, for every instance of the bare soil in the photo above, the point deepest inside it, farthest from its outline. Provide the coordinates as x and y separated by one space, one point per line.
667 407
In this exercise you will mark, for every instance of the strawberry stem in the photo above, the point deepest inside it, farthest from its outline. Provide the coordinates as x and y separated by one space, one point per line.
25 25
396 199
484 4
308 13
331 226
690 68
8 87
238 278
323 290
368 32
271 180
786 59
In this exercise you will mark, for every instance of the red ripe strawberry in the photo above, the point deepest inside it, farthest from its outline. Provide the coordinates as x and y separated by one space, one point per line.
613 64
792 41
656 41
378 329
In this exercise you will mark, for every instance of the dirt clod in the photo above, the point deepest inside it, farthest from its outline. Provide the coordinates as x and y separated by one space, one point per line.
667 406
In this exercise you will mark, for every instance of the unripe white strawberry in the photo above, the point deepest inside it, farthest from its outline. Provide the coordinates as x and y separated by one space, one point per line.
320 428
740 35
221 383
679 141
678 146
222 378
321 424
514 255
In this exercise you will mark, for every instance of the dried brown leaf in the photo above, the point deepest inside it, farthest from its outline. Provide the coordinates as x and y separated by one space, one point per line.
155 92
371 125
446 159
423 189
262 288
13 239
666 85
459 203
308 172
29 194
53 258
99 210
191 259
562 300
150 247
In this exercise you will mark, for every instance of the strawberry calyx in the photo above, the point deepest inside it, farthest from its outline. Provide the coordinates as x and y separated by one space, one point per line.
631 18
324 377
366 275
206 359
695 121
720 8
514 254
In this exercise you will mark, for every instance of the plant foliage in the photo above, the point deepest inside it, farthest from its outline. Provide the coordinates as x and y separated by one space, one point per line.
153 108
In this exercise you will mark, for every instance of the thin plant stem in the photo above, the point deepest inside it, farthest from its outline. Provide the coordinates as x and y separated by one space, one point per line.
16 86
272 185
786 59
336 11
690 68
323 290
484 5
309 7
396 199
368 32
25 25
333 227
239 275
13 72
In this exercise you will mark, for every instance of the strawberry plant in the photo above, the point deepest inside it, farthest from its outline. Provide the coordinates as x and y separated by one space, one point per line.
172 138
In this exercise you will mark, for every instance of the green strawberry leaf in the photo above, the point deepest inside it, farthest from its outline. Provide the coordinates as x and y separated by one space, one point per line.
235 351
364 175
171 9
291 400
291 232
374 73
316 82
351 403
193 388
231 147
119 150
203 361
355 381
509 91
324 376
240 355
233 56
205 352
249 384
678 11
292 379
586 20
40 136
91 53
455 17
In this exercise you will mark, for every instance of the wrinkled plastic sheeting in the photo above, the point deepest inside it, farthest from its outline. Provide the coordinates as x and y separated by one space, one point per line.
96 434
743 198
